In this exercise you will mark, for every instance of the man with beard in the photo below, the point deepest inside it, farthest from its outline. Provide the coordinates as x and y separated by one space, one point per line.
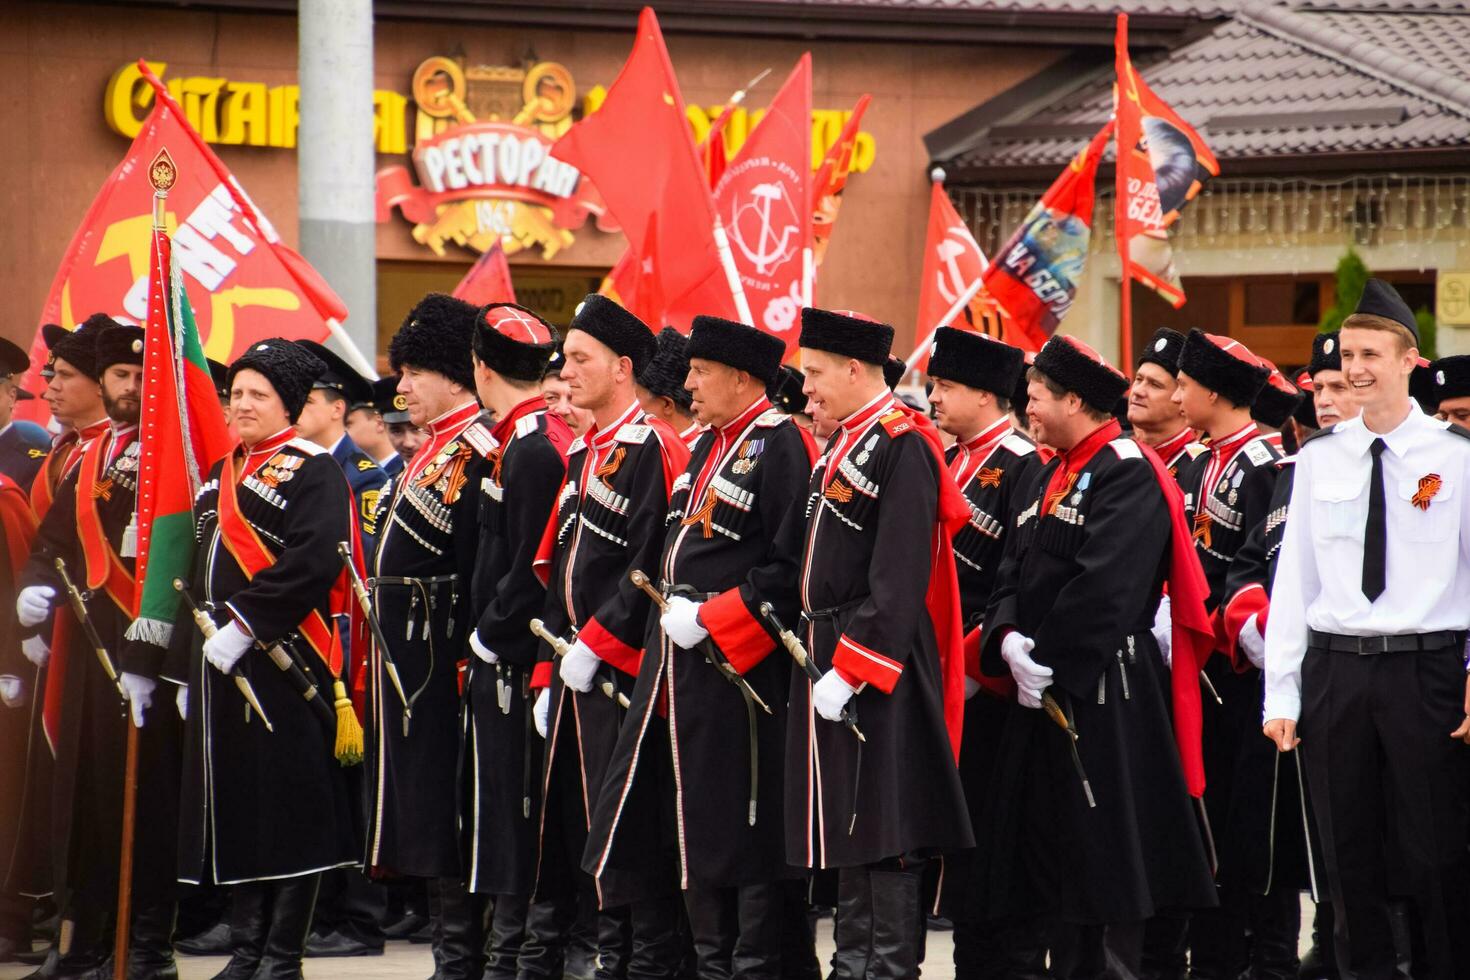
270 809
1157 420
609 520
502 752
993 467
732 542
92 527
423 570
1094 832
881 612
1229 493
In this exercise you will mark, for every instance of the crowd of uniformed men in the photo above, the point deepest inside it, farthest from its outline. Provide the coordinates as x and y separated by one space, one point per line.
659 644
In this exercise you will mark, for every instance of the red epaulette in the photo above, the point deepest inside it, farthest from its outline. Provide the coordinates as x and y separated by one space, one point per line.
897 422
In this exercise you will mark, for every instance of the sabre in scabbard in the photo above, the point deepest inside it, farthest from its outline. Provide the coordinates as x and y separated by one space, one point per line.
714 654
803 660
359 589
79 609
207 627
1055 713
560 647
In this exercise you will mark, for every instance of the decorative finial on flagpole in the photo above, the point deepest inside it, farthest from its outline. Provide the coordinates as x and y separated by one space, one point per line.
162 174
937 175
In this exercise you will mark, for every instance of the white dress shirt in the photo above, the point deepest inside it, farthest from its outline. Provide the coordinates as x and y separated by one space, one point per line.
1319 579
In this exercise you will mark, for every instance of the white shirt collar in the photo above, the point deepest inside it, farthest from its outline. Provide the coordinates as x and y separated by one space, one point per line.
1400 440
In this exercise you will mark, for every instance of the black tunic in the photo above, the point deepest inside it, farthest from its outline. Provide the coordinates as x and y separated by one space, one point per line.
732 540
608 521
260 805
996 472
1263 847
1082 576
871 536
90 749
427 542
502 764
1241 767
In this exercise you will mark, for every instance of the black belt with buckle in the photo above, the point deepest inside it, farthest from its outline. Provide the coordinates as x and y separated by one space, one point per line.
1366 646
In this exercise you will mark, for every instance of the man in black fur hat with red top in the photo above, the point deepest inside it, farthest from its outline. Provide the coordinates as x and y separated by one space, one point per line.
881 618
1093 831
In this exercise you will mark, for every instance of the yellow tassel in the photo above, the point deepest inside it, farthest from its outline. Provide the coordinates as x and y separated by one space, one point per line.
349 732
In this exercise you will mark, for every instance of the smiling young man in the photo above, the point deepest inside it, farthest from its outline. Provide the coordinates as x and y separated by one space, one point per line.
731 543
1364 649
880 606
609 520
92 527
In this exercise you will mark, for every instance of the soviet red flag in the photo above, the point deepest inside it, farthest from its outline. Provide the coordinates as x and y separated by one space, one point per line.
488 280
638 151
831 179
1035 274
762 198
242 280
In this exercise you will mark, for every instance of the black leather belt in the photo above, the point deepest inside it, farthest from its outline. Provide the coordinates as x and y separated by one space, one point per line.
1368 645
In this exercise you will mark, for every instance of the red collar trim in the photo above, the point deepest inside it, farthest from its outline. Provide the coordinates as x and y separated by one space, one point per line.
603 439
255 456
988 437
1226 447
735 425
858 420
504 428
452 421
89 432
1171 446
1078 456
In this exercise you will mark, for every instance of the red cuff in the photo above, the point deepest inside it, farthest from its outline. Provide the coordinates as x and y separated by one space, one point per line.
972 643
1248 601
856 683
867 665
735 631
610 649
541 675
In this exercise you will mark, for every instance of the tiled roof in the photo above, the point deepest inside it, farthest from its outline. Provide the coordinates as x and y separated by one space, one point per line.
1358 81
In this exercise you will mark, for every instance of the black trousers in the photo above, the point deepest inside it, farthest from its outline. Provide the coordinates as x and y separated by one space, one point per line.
1383 770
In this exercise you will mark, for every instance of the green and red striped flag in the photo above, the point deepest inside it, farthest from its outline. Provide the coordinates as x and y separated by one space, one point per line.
182 433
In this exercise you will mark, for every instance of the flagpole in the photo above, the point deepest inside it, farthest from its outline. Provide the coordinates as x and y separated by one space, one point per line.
954 311
732 275
350 350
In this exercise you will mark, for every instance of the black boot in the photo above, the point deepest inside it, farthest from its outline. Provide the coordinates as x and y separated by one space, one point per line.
613 941
798 935
852 932
545 944
461 932
90 948
48 966
503 941
759 910
654 939
151 950
896 924
1276 923
1320 962
291 905
712 920
249 922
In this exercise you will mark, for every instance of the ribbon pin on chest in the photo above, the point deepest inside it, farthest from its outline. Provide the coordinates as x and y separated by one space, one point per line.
1429 486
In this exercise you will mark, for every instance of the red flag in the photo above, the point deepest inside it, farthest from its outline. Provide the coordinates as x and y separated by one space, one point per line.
242 279
762 199
1035 275
831 179
1162 165
951 293
638 150
488 280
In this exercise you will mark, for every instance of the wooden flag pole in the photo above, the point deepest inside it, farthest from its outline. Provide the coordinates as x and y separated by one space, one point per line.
954 311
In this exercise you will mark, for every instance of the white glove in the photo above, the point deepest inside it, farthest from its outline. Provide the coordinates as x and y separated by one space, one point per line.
578 667
137 691
972 687
33 604
681 622
36 650
1032 678
1253 643
1164 630
225 648
181 701
831 694
12 690
481 650
542 711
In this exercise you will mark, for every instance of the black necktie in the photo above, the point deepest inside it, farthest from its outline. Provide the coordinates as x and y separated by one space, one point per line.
1375 535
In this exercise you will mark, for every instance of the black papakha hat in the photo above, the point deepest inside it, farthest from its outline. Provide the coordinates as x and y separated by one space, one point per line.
846 334
120 344
622 332
975 360
1224 366
1163 349
290 368
436 336
667 370
713 338
1078 368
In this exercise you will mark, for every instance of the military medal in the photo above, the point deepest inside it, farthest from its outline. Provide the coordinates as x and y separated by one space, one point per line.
867 452
1428 486
748 451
